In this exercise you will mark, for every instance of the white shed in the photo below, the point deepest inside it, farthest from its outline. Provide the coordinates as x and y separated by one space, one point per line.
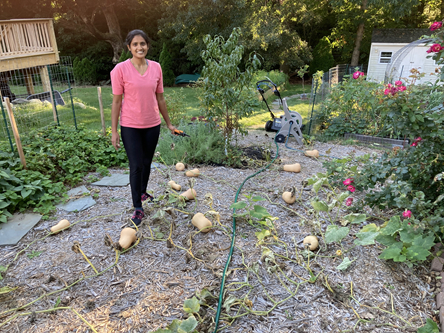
384 47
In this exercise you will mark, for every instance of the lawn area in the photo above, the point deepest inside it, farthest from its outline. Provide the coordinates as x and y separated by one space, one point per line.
87 110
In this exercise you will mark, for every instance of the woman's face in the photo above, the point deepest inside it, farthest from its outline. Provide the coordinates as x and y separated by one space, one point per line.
138 47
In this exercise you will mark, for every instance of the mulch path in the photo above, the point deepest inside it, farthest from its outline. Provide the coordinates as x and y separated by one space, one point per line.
146 289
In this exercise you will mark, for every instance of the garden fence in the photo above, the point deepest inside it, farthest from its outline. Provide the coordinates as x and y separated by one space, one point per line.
44 95
320 90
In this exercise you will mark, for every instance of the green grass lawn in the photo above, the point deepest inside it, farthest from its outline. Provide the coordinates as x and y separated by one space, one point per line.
87 110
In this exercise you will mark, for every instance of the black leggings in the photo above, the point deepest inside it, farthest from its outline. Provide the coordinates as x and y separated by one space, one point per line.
140 144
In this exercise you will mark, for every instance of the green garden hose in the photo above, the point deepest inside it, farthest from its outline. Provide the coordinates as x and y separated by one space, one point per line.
221 293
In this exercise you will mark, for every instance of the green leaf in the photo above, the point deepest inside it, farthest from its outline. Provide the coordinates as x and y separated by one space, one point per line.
159 214
392 252
25 193
425 243
344 264
259 212
343 196
366 238
317 185
335 234
393 226
370 227
229 302
188 325
438 200
191 305
429 327
417 253
261 235
355 218
386 240
257 198
238 205
319 206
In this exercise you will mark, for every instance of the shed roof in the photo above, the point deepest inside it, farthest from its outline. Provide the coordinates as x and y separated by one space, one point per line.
398 35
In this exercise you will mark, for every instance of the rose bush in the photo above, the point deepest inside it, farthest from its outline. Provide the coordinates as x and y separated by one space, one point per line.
406 181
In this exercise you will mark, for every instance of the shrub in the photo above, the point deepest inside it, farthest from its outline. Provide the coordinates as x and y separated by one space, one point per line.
227 94
206 145
166 64
126 54
84 71
278 77
322 56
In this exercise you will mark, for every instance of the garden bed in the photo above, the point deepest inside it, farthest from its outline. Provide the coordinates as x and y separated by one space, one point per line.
147 288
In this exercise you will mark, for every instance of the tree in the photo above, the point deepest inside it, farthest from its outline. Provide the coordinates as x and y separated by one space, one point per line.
356 15
322 56
226 89
165 63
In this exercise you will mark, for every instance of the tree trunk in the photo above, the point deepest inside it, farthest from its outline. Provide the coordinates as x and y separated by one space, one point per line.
442 8
114 37
359 36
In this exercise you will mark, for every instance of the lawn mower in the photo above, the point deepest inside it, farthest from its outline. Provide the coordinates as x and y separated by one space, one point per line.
289 124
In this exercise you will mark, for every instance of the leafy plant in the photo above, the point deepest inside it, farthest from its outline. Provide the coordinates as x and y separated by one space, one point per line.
226 89
33 254
255 215
166 64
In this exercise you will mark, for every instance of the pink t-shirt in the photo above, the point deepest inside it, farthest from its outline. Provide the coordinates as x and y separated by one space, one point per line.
139 105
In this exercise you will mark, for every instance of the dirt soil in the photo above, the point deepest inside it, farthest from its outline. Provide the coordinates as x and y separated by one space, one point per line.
147 287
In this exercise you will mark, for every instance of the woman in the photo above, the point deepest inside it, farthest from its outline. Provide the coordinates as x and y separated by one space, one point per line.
139 83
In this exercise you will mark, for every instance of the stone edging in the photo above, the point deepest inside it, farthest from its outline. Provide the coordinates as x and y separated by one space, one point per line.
437 270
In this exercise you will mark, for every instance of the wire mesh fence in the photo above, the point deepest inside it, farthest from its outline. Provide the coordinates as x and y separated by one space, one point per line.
320 90
46 95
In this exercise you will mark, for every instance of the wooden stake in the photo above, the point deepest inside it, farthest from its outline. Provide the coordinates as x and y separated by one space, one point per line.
102 115
15 131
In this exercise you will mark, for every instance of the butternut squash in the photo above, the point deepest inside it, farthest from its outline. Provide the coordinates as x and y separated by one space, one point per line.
192 173
174 186
289 197
312 242
292 167
59 226
200 222
180 166
189 194
127 237
312 153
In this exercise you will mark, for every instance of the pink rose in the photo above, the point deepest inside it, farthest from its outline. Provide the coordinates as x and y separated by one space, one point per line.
435 48
435 25
362 73
429 50
349 202
407 214
193 119
389 85
398 83
414 144
386 91
351 188
402 88
394 90
418 139
348 181
356 75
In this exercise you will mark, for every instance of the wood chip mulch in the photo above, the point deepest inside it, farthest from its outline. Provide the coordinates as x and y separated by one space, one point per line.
148 286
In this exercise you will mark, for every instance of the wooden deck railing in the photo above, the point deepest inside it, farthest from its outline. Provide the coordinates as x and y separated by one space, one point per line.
27 38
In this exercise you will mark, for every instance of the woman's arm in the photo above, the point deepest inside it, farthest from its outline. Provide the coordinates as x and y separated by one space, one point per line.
115 113
163 110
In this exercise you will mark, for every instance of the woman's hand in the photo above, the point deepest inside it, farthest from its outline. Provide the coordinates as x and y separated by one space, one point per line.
115 140
172 129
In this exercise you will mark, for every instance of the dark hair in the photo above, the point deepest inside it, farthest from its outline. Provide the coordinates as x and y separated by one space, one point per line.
134 33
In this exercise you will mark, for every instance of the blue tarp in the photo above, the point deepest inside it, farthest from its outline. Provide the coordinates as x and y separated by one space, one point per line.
187 78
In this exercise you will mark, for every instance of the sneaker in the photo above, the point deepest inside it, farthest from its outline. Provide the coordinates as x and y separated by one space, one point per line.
146 196
137 217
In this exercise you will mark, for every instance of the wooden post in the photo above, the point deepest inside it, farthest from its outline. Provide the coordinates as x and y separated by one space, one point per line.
16 133
44 75
28 82
102 116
